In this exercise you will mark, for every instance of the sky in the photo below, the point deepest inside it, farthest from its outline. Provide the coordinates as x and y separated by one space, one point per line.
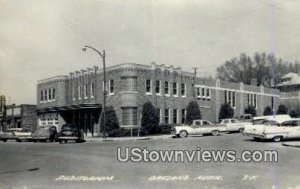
44 38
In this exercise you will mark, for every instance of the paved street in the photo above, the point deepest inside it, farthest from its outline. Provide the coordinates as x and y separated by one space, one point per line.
39 165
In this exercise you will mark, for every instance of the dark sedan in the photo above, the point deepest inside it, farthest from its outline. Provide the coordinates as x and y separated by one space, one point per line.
70 132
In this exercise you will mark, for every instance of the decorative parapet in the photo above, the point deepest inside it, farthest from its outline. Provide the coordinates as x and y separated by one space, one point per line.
52 79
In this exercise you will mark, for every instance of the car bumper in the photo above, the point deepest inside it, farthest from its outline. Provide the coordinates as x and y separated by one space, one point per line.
260 136
40 138
68 138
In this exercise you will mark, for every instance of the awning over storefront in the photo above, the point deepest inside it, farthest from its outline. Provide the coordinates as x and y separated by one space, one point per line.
68 108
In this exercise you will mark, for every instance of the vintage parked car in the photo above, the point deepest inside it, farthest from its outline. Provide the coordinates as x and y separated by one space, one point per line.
9 134
234 125
246 118
22 135
17 134
272 130
198 127
268 127
70 132
45 133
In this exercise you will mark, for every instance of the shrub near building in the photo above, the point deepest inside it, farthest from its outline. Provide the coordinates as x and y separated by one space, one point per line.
250 110
282 109
226 111
192 112
268 111
150 119
111 120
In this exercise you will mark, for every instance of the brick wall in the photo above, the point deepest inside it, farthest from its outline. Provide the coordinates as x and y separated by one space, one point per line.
209 107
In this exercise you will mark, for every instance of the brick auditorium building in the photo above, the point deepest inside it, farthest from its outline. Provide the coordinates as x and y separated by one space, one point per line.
77 97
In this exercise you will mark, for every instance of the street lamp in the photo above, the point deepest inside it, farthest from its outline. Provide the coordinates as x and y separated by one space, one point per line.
102 55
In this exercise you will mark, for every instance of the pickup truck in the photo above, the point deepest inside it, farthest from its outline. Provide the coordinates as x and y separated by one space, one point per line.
198 127
234 125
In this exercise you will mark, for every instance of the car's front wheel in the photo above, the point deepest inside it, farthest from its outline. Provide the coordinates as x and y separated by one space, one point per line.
277 138
215 132
183 134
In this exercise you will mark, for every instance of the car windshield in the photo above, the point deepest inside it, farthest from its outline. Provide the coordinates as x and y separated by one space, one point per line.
269 122
258 121
68 127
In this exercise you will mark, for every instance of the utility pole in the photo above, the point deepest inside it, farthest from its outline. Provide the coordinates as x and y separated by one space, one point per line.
194 80
102 55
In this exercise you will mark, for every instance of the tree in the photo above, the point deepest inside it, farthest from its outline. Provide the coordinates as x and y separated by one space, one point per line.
111 120
250 110
226 111
263 67
294 113
150 118
192 112
282 109
268 111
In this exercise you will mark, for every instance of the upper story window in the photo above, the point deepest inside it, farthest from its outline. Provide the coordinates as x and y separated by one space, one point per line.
129 84
79 92
157 86
92 90
230 97
45 95
42 96
111 87
207 93
73 92
85 89
252 100
148 86
50 94
175 89
183 90
166 88
53 94
198 92
203 93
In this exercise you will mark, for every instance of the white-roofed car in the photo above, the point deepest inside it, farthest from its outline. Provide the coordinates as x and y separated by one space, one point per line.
267 127
234 125
17 134
198 127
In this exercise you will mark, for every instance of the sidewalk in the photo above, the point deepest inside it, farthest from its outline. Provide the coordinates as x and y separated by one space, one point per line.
134 138
295 144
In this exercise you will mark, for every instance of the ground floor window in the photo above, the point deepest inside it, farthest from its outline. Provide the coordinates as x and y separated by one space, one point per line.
49 119
175 116
158 114
129 116
167 116
183 115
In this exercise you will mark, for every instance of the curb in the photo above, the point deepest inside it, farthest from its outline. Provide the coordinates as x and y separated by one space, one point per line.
290 145
128 139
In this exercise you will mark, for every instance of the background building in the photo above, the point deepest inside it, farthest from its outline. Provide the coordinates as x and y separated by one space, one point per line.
21 116
290 91
77 97
2 110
